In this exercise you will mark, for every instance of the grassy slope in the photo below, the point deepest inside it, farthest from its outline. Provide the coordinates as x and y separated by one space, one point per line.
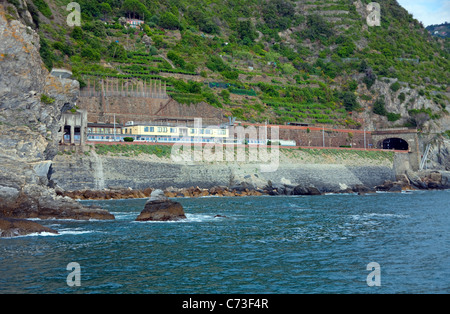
319 52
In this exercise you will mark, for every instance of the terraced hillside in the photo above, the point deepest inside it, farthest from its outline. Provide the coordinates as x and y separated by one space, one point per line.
278 60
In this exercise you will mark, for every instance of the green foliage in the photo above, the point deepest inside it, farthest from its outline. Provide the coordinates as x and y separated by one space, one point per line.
77 33
117 51
97 28
379 106
395 86
278 14
231 75
369 78
393 116
134 150
317 28
169 21
246 32
132 8
176 59
399 49
216 64
346 46
46 53
43 7
128 139
90 53
349 101
47 99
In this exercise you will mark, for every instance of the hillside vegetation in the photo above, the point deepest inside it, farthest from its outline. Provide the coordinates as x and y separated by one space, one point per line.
276 60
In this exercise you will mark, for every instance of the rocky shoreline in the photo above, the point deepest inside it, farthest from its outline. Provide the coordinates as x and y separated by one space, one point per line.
430 180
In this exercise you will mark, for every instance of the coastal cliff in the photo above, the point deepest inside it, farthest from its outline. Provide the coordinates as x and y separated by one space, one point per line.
31 104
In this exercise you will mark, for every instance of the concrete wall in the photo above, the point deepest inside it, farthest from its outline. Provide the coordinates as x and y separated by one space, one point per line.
76 172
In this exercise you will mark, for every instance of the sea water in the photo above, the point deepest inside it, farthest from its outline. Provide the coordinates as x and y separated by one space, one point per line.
265 244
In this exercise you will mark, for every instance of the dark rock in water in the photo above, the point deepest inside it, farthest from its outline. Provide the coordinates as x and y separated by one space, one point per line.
220 216
160 208
10 227
396 188
302 190
359 188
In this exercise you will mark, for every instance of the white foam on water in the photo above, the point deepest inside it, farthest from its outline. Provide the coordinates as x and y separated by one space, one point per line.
189 218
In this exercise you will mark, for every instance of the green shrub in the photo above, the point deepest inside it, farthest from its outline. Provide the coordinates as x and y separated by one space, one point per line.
379 106
128 139
176 59
47 99
231 75
395 86
216 64
393 116
46 53
169 21
43 7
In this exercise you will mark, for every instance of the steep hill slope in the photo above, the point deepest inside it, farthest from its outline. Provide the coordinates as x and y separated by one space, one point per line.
277 60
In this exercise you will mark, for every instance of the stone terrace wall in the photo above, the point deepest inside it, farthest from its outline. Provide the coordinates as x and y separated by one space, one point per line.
145 109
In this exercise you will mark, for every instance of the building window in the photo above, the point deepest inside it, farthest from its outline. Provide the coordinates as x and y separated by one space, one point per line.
152 129
146 129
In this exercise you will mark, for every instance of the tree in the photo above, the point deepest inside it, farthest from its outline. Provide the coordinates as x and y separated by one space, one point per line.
349 101
135 9
246 32
278 14
317 28
77 33
169 21
117 51
419 119
105 8
176 59
216 64
379 106
370 77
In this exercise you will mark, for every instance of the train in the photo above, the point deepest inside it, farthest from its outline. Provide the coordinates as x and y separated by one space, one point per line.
154 133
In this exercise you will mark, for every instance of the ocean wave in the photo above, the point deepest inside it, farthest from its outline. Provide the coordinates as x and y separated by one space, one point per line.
371 215
189 218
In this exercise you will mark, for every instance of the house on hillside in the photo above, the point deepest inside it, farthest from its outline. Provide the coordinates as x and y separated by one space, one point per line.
134 23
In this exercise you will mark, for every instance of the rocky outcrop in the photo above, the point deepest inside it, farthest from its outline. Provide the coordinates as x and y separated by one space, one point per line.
20 227
107 194
31 104
160 208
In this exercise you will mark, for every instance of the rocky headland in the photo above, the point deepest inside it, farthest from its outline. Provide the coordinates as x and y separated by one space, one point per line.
31 104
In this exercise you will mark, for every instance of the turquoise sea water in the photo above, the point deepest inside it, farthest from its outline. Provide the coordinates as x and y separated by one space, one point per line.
267 244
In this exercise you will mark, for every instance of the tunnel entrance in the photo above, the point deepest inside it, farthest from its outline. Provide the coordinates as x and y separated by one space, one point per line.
395 143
